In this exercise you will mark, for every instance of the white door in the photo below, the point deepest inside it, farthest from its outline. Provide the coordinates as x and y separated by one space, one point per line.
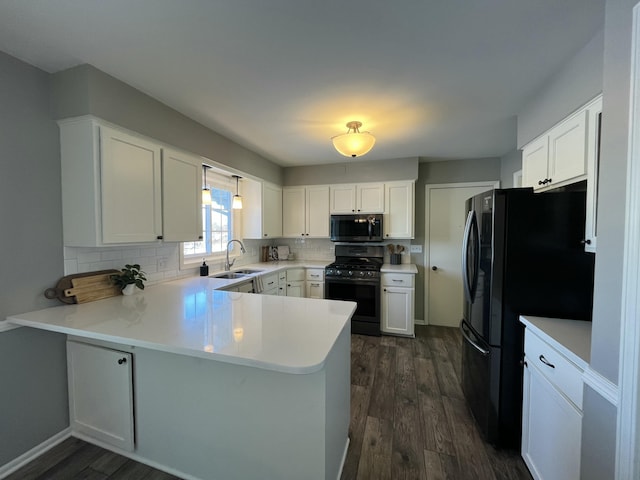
445 207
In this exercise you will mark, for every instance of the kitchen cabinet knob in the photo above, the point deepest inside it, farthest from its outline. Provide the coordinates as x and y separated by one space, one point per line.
586 241
265 235
549 180
540 182
122 360
434 268
159 237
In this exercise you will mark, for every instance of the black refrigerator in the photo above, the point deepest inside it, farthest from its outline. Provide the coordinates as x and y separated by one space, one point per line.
523 254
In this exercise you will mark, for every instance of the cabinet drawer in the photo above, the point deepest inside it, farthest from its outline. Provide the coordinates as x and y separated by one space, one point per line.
315 274
295 275
565 375
270 281
397 280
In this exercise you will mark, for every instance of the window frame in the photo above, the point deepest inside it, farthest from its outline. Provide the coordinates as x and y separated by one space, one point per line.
227 183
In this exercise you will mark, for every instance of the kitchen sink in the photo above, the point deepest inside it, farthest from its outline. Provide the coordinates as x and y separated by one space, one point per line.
246 271
229 275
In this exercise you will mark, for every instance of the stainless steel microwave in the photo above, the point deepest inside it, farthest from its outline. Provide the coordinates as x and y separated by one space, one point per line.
356 228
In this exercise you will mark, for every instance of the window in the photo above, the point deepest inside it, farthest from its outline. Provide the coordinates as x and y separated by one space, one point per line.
218 224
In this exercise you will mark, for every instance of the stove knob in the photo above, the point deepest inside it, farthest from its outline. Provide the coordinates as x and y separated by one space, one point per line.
350 273
361 273
338 272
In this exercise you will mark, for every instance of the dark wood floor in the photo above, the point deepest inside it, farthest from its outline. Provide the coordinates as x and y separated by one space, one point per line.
408 416
408 421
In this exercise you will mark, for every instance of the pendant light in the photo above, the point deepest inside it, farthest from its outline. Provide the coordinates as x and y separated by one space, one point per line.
354 143
237 199
206 193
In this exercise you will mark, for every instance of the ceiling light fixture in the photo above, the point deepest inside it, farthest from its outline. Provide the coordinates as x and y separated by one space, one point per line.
237 199
206 193
353 143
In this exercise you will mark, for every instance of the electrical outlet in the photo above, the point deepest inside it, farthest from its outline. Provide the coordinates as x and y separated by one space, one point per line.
162 263
415 249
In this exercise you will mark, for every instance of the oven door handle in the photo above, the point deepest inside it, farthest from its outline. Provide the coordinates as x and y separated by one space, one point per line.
466 333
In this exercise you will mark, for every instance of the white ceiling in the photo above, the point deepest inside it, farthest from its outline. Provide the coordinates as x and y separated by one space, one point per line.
430 78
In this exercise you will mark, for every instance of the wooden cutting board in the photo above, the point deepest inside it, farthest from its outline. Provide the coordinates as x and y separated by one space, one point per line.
84 287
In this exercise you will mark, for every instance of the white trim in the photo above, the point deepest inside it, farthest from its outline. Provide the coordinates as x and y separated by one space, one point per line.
628 422
427 189
5 326
517 179
19 462
344 458
601 385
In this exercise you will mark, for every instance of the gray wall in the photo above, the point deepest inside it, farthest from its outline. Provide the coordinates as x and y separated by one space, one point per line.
353 172
577 82
86 90
598 437
32 363
451 171
509 164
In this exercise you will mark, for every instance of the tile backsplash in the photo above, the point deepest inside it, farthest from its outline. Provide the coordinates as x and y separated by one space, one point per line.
161 262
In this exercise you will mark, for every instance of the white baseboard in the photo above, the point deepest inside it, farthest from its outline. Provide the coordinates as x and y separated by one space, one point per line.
602 386
6 326
34 453
344 458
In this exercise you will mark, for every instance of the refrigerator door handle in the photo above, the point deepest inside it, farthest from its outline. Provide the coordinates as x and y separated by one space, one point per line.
467 336
469 289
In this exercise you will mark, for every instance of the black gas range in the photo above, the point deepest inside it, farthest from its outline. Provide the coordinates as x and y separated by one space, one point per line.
355 276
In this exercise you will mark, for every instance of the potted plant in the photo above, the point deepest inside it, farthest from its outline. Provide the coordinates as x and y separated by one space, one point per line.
130 277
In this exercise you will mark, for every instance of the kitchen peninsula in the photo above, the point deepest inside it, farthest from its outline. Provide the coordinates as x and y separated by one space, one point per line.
226 385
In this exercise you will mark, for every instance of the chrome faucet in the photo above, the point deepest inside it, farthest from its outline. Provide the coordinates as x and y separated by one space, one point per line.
228 264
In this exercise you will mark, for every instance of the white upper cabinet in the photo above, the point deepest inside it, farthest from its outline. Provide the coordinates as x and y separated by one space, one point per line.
181 190
262 210
594 122
357 198
305 211
112 187
398 220
566 154
561 155
131 188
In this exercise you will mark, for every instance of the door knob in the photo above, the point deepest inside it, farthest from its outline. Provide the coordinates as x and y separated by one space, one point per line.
434 268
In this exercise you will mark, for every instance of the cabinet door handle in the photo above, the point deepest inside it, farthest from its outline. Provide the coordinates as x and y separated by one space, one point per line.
122 360
159 237
546 362
586 241
540 182
434 268
396 280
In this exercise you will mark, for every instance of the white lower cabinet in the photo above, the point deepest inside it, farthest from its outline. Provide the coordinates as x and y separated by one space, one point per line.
315 283
101 393
282 283
398 303
551 412
296 282
270 284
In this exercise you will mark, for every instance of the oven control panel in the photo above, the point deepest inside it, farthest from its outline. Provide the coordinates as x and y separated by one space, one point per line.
345 273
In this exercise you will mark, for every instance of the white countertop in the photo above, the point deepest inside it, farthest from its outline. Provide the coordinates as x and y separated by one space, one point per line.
190 317
402 268
263 269
571 337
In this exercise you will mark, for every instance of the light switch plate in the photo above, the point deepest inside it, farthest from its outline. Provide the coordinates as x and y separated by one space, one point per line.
416 248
